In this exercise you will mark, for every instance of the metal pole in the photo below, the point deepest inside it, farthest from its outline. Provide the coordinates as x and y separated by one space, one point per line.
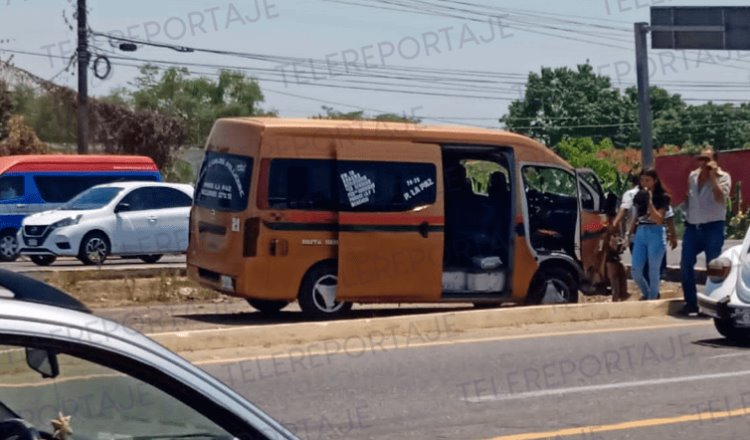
644 95
83 86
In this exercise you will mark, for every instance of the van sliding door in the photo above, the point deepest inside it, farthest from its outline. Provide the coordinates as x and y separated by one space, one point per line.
391 221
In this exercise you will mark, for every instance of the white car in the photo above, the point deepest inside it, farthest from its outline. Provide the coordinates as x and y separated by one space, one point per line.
131 219
727 297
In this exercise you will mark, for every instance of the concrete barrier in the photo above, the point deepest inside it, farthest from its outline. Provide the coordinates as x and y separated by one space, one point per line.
427 324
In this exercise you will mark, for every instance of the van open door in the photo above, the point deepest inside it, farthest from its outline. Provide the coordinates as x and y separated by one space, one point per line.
391 221
593 234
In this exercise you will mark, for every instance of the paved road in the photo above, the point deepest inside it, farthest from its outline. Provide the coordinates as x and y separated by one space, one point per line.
70 263
660 380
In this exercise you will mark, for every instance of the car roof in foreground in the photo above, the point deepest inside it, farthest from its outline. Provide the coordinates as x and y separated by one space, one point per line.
31 308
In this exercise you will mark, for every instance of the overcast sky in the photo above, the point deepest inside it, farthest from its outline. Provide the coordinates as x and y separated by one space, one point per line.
341 33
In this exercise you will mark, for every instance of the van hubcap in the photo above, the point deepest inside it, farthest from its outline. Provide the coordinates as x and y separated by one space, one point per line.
324 294
96 249
8 246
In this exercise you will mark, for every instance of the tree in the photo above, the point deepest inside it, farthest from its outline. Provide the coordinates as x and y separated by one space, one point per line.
586 153
197 100
563 102
6 108
331 113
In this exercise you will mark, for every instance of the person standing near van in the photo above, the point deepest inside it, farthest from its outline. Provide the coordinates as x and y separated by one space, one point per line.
705 217
651 204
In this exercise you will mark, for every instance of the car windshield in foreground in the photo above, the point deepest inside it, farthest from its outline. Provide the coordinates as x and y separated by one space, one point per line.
93 198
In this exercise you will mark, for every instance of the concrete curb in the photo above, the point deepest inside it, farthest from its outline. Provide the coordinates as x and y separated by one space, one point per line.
426 325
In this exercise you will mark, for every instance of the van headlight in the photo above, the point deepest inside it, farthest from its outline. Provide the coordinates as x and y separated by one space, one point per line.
70 221
718 269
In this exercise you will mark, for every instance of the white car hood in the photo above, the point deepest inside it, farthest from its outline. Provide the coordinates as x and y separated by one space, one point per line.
48 217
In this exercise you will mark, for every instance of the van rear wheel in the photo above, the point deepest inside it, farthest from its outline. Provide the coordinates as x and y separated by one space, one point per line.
317 294
268 307
553 285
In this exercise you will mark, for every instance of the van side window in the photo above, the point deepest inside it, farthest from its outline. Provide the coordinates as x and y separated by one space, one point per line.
329 185
11 187
302 184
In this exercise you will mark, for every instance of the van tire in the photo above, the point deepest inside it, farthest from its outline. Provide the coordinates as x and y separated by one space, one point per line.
43 260
94 241
557 278
8 246
310 296
269 307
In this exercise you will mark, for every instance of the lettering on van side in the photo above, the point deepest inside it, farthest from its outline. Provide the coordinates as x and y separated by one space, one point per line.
416 185
316 242
359 188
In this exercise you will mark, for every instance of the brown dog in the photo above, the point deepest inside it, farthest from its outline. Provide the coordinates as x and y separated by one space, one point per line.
616 275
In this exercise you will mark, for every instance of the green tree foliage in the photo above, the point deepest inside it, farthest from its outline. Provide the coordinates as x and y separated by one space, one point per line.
563 102
197 100
576 103
331 113
586 153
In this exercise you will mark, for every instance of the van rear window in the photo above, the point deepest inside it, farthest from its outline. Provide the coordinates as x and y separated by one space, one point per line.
224 182
329 185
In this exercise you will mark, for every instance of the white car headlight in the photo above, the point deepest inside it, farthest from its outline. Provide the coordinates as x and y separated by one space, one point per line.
718 269
70 221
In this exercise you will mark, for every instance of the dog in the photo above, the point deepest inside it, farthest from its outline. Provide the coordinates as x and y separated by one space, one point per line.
615 270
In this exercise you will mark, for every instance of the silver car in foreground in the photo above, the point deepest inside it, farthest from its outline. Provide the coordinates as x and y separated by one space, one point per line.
66 373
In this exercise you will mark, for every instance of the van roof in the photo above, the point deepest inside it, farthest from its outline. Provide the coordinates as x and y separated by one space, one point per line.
75 162
399 130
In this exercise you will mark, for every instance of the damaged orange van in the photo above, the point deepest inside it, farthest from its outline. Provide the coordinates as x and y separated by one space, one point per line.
329 213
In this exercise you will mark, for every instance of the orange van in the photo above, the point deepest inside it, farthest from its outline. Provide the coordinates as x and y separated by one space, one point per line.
329 213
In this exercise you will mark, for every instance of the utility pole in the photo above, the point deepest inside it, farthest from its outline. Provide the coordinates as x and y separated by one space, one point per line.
644 95
83 86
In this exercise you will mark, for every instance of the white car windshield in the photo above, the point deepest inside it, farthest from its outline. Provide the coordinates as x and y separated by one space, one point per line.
93 198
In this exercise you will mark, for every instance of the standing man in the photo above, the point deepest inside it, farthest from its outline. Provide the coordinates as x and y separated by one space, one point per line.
705 208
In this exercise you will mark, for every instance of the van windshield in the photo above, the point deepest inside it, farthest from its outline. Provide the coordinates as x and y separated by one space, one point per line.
224 182
93 198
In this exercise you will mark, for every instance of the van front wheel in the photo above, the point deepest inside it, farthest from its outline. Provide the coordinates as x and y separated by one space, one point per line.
317 294
553 285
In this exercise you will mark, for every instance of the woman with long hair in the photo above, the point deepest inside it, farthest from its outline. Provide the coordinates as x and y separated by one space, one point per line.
651 204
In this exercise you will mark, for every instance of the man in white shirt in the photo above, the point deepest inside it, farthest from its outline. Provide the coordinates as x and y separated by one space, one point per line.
705 218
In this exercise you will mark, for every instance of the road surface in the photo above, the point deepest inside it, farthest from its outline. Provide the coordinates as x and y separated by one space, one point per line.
657 378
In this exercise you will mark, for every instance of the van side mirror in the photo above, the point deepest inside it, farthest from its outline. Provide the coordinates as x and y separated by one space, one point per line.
122 207
43 362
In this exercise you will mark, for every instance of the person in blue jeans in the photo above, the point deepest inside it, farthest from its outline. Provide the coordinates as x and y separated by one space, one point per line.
705 217
651 204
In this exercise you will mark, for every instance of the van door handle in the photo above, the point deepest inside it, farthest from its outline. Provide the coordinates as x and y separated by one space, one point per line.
424 229
152 219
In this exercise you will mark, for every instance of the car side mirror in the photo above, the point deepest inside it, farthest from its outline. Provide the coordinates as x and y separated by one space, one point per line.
122 207
43 362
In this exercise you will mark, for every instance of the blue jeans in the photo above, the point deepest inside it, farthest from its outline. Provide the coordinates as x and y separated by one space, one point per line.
649 246
708 238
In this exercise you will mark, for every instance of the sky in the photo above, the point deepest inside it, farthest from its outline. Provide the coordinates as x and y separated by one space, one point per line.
357 43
